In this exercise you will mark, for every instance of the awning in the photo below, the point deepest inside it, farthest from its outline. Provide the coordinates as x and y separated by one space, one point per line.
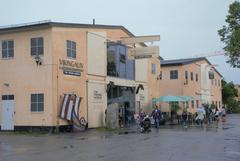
171 98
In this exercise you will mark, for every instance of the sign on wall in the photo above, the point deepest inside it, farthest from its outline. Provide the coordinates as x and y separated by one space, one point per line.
71 67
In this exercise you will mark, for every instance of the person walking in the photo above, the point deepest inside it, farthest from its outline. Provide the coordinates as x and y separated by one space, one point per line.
156 114
223 112
184 117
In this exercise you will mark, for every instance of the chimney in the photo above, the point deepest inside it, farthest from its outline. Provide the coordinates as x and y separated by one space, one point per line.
94 21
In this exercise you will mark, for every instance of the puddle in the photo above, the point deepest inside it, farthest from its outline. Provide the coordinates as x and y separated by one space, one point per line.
226 128
82 139
127 132
101 156
68 147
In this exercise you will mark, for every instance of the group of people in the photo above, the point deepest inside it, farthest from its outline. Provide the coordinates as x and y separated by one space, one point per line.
203 115
156 115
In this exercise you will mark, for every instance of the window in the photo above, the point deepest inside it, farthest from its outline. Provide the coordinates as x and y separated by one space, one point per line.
8 49
187 105
211 74
7 97
153 68
118 64
186 74
192 102
160 75
191 76
173 74
37 46
219 104
71 49
219 83
197 102
215 82
196 77
37 102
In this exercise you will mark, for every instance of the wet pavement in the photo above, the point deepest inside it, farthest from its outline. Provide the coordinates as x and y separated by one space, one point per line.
216 142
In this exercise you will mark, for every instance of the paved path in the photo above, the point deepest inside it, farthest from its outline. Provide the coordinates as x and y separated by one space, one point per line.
213 143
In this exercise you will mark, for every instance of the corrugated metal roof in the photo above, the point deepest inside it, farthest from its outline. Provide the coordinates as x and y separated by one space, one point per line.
175 62
48 23
180 61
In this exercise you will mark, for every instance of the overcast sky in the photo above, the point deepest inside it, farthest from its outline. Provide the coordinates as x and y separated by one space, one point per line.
187 27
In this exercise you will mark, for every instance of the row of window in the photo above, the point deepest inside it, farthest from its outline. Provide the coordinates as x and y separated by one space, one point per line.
216 104
37 101
193 104
37 48
174 75
216 82
191 76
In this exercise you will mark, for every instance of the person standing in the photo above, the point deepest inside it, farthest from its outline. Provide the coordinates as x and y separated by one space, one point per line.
184 117
223 112
156 114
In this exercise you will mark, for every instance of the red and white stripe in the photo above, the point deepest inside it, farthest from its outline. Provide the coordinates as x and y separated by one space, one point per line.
65 100
76 106
70 103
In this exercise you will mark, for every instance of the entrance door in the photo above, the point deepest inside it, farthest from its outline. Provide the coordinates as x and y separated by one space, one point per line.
7 112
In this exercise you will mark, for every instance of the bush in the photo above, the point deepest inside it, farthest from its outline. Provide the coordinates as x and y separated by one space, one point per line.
234 105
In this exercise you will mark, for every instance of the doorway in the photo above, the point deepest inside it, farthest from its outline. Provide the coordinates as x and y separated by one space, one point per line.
7 112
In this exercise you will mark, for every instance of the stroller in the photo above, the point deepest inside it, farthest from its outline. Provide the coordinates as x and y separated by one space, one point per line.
144 125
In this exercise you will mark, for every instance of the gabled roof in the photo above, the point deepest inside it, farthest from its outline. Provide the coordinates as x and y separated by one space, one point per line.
45 24
176 62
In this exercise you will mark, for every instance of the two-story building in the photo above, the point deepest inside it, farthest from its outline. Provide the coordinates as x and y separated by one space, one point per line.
42 63
195 77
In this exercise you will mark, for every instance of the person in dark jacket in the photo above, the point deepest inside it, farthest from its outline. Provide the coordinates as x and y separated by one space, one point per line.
184 117
157 115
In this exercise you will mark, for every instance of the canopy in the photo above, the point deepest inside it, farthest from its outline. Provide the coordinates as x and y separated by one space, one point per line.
187 98
171 98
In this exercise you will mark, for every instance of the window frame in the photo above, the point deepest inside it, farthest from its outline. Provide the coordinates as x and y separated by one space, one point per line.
173 74
72 49
37 102
192 103
36 46
197 103
7 49
160 75
154 68
186 75
191 75
196 77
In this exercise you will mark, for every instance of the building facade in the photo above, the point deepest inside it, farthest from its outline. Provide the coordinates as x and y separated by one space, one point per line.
195 77
42 62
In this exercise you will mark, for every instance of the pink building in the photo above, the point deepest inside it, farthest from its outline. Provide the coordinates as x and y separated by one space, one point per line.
195 77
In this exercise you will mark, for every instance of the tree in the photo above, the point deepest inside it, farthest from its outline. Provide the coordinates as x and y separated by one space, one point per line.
229 92
230 34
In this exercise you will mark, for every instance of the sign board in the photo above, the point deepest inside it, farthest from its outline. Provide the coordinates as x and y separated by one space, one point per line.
140 39
70 67
143 52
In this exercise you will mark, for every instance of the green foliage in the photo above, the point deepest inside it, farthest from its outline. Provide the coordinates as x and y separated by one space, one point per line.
175 107
229 92
234 105
230 34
